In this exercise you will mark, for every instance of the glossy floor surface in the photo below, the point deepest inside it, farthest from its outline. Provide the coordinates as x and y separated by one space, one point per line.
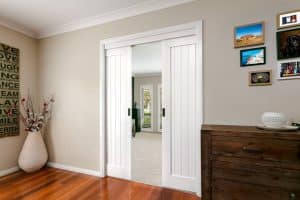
51 183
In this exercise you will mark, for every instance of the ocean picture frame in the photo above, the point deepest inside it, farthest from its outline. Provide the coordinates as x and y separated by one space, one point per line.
252 57
249 35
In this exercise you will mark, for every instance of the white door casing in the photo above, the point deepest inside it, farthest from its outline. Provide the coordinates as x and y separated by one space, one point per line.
119 123
167 33
183 114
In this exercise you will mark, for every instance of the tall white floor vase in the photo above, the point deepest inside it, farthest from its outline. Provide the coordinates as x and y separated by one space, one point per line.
34 153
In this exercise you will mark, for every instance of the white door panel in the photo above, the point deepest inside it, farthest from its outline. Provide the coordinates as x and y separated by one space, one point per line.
118 82
182 121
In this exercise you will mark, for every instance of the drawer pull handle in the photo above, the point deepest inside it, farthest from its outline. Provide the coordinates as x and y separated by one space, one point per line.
253 149
292 196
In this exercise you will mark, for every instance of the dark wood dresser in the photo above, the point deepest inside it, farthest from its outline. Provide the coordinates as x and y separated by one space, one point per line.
246 163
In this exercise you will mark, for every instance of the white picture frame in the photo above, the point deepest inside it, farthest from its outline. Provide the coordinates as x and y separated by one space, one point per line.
288 76
288 19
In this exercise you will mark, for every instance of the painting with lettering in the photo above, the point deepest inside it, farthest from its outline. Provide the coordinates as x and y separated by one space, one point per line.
9 91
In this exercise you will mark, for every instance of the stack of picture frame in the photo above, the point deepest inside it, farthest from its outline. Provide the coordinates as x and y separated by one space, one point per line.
253 35
288 45
288 48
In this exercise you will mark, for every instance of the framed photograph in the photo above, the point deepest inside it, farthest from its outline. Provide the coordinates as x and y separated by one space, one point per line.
260 78
289 69
288 44
251 57
249 35
288 19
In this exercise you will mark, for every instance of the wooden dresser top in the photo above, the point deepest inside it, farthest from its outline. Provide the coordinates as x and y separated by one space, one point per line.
250 131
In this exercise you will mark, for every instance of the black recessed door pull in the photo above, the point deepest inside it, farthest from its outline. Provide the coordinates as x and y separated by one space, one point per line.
163 112
128 111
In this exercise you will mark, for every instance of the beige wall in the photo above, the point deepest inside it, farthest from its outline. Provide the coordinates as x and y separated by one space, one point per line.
11 146
69 67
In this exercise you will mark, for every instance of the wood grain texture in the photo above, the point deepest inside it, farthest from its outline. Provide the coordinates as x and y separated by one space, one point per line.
55 184
246 163
206 166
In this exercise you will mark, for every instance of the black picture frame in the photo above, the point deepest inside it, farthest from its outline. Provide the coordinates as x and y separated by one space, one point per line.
242 57
288 44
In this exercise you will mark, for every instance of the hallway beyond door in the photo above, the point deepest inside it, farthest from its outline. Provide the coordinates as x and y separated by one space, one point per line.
146 158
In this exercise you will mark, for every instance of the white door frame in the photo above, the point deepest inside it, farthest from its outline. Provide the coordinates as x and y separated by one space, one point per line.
150 87
184 30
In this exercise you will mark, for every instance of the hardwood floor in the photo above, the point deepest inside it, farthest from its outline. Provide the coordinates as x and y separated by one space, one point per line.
56 184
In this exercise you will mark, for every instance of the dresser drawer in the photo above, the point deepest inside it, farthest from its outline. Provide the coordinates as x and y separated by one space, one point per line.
257 175
257 148
232 190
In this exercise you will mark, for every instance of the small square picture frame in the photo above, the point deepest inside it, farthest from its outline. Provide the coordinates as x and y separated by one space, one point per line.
288 19
260 78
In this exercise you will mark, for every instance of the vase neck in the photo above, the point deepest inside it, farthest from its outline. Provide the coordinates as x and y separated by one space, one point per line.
33 132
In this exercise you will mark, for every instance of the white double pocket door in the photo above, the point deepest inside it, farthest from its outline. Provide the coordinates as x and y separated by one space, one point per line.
118 118
182 122
182 114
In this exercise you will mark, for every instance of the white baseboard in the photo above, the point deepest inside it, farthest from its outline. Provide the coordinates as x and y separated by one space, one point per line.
74 169
9 171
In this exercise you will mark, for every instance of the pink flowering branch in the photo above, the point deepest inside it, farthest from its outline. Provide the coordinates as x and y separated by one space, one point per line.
33 121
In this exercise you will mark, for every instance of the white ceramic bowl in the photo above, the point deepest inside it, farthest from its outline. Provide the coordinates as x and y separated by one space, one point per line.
274 120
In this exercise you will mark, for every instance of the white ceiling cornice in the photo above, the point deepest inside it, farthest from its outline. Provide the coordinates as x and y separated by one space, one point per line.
148 6
19 28
137 9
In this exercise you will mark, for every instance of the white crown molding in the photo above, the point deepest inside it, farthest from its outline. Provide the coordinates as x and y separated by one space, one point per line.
8 171
73 169
18 28
141 8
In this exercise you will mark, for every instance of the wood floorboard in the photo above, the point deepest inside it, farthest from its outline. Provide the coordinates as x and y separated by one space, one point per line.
56 184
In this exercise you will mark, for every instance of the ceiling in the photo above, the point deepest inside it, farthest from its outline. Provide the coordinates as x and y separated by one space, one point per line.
42 18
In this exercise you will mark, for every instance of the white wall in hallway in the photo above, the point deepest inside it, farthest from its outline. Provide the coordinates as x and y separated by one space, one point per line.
146 58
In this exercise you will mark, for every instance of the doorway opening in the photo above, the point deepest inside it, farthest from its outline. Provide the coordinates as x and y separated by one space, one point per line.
146 149
177 116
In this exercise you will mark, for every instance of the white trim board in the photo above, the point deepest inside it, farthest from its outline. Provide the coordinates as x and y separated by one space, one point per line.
73 169
6 172
157 35
18 28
